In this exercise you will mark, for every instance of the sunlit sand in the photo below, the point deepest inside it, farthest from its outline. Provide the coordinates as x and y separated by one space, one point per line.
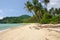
31 32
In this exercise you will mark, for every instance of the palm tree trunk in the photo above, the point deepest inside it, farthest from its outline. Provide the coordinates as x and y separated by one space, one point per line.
37 17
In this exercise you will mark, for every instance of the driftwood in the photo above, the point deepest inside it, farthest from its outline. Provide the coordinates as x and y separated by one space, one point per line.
49 25
54 30
45 26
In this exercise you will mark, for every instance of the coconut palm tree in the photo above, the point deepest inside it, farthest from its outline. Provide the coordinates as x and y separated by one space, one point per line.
46 2
35 7
56 12
52 11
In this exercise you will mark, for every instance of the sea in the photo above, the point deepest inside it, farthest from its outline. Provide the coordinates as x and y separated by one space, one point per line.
7 26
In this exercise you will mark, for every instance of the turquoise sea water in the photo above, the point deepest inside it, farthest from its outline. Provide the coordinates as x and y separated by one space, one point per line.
6 26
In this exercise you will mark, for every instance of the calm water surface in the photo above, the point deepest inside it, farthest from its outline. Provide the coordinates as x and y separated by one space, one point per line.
6 26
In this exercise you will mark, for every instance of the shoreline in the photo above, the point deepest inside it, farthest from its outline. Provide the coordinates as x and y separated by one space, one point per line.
31 32
43 26
4 30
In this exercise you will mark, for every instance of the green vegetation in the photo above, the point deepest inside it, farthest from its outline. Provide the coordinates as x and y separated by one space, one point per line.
41 14
19 19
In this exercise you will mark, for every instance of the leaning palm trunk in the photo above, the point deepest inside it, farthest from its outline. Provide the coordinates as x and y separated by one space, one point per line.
37 17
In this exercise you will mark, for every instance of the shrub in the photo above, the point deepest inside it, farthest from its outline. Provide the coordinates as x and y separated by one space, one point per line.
59 19
31 20
45 19
54 19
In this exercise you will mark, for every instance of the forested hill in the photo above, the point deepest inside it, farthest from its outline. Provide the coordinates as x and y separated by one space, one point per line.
19 19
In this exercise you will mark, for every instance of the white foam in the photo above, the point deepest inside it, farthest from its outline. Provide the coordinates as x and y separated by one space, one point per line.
4 30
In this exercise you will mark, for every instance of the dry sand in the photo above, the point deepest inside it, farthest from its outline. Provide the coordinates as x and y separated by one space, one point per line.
31 32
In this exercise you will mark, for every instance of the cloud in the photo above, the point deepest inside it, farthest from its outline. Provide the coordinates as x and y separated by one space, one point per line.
1 17
54 3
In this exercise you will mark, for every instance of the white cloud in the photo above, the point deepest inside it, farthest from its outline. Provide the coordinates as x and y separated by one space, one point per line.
1 17
39 1
54 3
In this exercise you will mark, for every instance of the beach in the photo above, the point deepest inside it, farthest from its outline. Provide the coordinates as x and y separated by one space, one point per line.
31 31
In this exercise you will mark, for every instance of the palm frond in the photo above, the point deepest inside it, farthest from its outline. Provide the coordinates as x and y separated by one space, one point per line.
29 6
35 2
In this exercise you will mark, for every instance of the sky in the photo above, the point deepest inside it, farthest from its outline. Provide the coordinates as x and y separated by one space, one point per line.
16 7
12 8
54 3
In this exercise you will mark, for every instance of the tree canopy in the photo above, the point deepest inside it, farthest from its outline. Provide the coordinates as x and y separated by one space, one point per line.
41 14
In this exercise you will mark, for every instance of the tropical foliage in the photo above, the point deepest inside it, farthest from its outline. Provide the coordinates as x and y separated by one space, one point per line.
19 19
41 14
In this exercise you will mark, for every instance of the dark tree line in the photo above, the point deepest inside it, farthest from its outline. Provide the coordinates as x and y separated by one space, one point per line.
19 19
